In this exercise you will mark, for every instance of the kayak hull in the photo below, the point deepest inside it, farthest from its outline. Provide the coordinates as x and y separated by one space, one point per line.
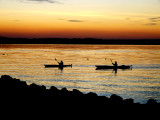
58 66
113 67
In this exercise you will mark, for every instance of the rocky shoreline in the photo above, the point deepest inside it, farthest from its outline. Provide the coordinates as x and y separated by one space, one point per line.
15 89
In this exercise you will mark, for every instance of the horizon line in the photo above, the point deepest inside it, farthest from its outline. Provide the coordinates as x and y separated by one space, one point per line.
80 38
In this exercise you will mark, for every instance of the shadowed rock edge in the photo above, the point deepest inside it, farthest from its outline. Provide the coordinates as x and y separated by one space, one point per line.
16 90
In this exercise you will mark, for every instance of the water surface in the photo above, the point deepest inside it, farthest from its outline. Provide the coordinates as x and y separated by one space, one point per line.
26 62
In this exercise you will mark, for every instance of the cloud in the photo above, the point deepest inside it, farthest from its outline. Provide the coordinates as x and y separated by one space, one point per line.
155 19
75 21
16 20
71 20
128 18
50 1
150 24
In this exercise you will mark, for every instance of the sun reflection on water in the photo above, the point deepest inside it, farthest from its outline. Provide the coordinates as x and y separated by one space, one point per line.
26 62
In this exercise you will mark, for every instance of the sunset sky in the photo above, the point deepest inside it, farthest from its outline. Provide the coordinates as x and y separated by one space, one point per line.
80 18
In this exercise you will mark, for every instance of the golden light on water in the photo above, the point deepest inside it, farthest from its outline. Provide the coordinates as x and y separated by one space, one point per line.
26 62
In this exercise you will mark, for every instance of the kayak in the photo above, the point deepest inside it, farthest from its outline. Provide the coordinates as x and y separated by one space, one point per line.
59 66
113 67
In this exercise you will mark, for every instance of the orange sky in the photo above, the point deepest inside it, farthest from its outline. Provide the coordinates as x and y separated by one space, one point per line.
80 19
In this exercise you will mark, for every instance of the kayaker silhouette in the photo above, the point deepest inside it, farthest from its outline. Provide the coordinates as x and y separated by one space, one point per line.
115 64
60 63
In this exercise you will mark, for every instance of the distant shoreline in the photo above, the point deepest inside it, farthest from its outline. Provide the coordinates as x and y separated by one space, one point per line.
92 41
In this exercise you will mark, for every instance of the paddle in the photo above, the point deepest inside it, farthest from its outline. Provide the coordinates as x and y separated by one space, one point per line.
111 61
56 60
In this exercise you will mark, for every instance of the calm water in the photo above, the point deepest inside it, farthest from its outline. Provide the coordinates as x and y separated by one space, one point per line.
26 62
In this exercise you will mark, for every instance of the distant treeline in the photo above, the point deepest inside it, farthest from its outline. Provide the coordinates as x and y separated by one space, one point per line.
6 40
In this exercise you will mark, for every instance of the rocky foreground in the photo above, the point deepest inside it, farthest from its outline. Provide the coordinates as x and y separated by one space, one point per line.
12 89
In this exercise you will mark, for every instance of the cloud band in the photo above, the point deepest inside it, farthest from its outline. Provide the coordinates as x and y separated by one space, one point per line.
50 1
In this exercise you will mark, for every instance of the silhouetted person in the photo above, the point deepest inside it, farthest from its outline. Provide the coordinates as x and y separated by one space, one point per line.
61 63
115 64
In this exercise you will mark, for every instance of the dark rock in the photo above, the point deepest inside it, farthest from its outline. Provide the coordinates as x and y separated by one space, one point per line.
52 92
53 89
115 99
64 92
91 94
151 101
128 101
77 93
16 90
